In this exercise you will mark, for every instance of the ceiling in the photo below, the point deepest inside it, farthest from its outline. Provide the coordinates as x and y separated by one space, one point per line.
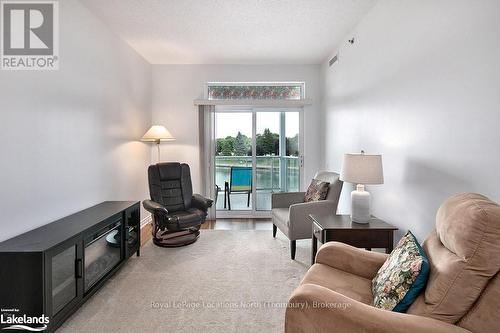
231 31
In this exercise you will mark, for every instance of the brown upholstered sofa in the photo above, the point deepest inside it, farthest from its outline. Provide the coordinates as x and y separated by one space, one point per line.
462 293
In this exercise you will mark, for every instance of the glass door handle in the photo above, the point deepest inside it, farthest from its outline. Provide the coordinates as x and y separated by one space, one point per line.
79 268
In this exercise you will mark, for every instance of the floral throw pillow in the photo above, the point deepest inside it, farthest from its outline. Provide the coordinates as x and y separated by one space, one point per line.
316 191
402 277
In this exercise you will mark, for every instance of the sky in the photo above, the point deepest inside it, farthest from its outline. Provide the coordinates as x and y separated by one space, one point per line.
228 124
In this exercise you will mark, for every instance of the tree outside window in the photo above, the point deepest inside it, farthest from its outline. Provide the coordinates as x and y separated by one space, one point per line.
267 144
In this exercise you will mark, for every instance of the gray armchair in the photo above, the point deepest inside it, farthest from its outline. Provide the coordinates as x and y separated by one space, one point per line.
290 213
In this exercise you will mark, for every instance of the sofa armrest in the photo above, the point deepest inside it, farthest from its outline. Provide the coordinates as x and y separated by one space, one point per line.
300 222
351 259
201 202
286 199
313 308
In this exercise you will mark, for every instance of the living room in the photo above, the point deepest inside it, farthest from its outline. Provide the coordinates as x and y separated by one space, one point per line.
227 165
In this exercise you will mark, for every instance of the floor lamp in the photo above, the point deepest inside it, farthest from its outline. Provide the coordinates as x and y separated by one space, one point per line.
156 134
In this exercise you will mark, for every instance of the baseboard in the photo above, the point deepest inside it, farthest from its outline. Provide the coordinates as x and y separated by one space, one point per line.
146 230
146 220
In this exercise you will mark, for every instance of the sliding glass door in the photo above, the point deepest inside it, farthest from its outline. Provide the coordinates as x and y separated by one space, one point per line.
233 160
257 153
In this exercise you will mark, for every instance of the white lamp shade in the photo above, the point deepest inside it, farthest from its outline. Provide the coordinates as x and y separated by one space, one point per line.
157 133
362 169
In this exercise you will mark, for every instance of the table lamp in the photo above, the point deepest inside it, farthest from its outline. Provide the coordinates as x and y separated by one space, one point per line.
156 134
361 169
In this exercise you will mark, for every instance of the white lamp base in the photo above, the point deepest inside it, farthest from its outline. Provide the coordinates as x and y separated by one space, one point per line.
360 200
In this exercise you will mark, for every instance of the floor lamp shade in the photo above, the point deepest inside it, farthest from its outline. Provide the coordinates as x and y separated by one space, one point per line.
157 133
361 169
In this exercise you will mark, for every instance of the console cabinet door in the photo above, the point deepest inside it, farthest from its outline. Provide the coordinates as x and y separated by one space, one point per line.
63 279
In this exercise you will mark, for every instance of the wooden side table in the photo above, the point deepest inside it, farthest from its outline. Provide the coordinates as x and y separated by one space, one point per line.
340 228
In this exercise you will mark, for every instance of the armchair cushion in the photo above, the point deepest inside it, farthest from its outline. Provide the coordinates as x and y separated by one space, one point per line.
402 277
351 259
348 284
483 317
313 308
316 191
186 218
170 185
286 199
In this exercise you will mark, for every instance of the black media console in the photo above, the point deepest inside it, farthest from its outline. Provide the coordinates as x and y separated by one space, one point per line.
52 270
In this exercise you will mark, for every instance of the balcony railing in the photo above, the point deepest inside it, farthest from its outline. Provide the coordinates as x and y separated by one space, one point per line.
274 173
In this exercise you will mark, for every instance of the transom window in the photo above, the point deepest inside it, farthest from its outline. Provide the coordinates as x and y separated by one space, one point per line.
274 91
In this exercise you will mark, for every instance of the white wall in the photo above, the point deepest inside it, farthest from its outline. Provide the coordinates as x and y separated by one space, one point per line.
175 87
420 85
68 137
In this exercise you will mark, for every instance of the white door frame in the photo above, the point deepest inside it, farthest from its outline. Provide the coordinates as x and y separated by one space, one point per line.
253 213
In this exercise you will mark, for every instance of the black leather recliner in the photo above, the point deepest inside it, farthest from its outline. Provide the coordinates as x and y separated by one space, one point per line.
177 213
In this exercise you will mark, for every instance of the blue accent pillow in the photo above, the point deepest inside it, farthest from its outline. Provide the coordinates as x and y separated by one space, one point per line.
402 277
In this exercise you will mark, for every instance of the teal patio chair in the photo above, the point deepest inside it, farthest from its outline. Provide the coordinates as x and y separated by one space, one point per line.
240 181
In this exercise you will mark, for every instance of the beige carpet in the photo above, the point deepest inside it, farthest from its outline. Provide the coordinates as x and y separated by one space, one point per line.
228 281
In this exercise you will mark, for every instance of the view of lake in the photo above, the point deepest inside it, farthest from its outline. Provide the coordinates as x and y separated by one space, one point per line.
268 174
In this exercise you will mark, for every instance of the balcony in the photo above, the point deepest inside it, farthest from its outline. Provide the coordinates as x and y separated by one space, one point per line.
273 174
